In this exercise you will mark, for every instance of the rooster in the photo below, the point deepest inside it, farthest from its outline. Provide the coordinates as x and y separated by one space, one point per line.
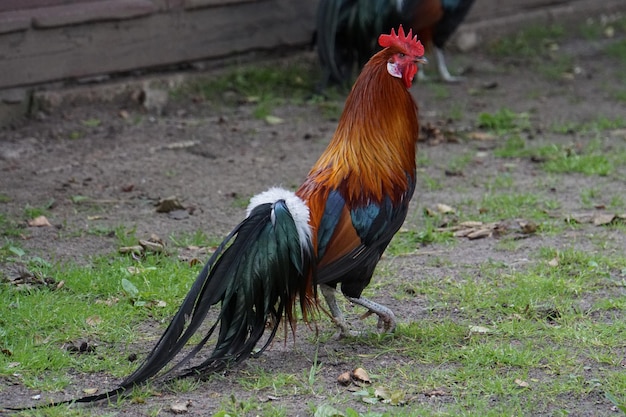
331 232
346 30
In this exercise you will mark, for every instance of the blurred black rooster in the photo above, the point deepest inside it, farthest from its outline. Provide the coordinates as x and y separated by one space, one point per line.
347 30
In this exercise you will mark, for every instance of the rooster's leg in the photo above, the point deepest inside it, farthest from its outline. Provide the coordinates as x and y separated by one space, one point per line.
386 318
443 68
338 318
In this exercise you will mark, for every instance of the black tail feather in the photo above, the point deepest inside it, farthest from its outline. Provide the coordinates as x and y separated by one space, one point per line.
256 274
347 33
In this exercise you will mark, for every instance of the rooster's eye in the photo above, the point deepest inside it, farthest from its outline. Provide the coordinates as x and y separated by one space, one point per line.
401 55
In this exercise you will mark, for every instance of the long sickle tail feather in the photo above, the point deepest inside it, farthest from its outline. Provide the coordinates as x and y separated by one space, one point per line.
257 274
326 34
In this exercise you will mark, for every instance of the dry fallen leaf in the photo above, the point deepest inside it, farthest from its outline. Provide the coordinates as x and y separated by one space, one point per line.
151 246
480 329
579 218
603 219
554 262
345 378
180 407
388 396
169 204
156 303
361 375
481 136
521 383
195 254
40 340
40 221
93 320
109 301
273 120
435 393
22 278
527 227
268 398
444 208
178 214
137 249
479 234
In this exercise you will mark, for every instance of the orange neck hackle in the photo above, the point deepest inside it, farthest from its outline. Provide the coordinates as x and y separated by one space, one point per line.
372 153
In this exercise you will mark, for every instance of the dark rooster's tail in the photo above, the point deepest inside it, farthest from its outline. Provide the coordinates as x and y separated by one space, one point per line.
347 33
263 265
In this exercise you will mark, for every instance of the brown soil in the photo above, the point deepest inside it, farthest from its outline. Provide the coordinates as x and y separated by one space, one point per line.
212 157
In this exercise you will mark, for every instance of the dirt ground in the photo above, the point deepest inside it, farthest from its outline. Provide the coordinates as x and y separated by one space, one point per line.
211 157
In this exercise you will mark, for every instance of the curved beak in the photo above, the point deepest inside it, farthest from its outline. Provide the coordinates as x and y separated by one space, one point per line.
422 60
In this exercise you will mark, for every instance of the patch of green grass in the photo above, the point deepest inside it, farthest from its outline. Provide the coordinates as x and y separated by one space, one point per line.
598 125
557 67
495 337
500 182
554 158
456 112
91 122
240 201
441 91
265 86
197 238
617 50
277 384
65 411
126 236
603 123
564 128
76 134
617 202
458 163
513 147
31 212
588 196
591 30
9 227
498 206
237 407
408 241
504 121
258 81
536 46
531 42
37 322
331 110
506 338
619 94
592 164
429 183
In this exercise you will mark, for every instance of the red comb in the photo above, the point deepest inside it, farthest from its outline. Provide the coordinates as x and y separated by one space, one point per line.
408 42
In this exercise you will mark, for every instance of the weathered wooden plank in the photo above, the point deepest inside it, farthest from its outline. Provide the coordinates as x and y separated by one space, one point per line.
50 17
192 4
14 21
12 5
166 38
